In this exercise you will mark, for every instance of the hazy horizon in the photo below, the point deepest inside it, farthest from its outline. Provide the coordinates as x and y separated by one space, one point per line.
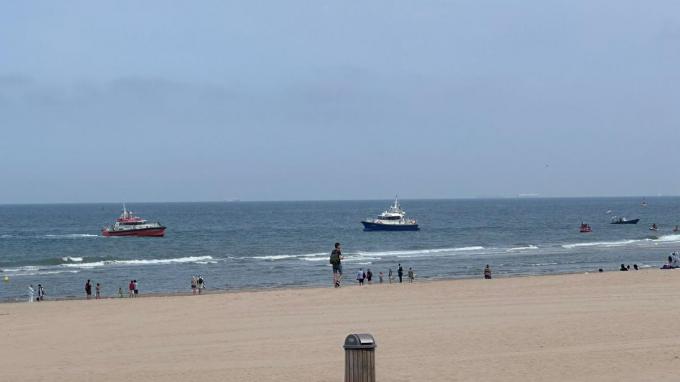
323 100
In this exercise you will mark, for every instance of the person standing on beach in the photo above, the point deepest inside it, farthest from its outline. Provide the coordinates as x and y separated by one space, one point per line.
369 275
88 289
360 276
411 275
41 292
400 273
390 276
120 292
98 291
194 283
31 292
131 289
201 284
380 277
487 272
136 287
336 262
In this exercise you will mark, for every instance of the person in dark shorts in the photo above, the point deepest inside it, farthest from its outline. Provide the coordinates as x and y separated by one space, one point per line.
336 262
41 292
131 289
98 292
361 276
88 289
136 288
400 273
369 275
487 272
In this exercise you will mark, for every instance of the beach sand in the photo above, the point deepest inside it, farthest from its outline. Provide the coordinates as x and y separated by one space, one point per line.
606 327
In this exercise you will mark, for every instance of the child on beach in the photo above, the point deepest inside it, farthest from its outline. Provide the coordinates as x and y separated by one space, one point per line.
120 292
389 276
98 291
411 275
193 284
380 277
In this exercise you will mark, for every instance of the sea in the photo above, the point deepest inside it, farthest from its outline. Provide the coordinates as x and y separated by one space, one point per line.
263 245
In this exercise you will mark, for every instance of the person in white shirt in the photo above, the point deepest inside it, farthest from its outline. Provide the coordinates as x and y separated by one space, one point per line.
360 276
31 292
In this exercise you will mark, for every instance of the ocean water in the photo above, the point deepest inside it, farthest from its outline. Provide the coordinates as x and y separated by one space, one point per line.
237 245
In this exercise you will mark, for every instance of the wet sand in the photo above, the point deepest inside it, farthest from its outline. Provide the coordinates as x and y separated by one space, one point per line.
606 327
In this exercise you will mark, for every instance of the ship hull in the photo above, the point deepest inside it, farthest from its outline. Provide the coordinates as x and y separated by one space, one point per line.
634 221
144 232
371 226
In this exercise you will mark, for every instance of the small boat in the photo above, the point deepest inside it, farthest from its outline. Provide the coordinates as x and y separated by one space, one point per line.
585 228
623 220
394 219
130 225
654 227
644 203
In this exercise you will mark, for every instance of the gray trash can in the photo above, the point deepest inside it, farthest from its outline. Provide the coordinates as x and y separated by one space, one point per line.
359 358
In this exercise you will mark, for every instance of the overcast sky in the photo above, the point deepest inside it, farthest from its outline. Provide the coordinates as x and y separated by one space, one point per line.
279 100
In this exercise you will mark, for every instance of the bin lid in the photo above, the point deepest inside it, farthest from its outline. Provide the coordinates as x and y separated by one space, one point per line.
359 341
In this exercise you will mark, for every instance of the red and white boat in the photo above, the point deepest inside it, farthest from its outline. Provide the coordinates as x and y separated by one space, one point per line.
130 225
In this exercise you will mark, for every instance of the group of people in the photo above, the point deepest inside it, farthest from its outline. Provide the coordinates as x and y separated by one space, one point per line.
625 268
197 284
673 261
363 276
88 290
32 291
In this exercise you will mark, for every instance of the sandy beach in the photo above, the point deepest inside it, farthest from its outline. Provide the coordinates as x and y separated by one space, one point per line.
604 327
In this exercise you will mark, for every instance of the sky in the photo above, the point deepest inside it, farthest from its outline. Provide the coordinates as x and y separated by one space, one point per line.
118 101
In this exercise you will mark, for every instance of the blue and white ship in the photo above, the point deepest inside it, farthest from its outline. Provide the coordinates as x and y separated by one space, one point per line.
394 219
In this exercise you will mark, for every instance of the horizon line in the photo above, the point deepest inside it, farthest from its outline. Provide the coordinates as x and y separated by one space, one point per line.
498 197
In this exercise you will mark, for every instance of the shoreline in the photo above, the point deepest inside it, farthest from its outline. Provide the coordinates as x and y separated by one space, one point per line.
317 287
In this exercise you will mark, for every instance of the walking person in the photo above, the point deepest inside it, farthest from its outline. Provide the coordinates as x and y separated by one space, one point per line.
411 275
31 292
88 289
98 292
400 273
200 284
360 276
487 272
336 262
131 289
41 292
369 275
194 283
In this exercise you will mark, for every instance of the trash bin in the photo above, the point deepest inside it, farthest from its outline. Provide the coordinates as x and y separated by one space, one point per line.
359 358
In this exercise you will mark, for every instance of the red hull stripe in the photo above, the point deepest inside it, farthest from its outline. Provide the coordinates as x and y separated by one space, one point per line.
156 232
